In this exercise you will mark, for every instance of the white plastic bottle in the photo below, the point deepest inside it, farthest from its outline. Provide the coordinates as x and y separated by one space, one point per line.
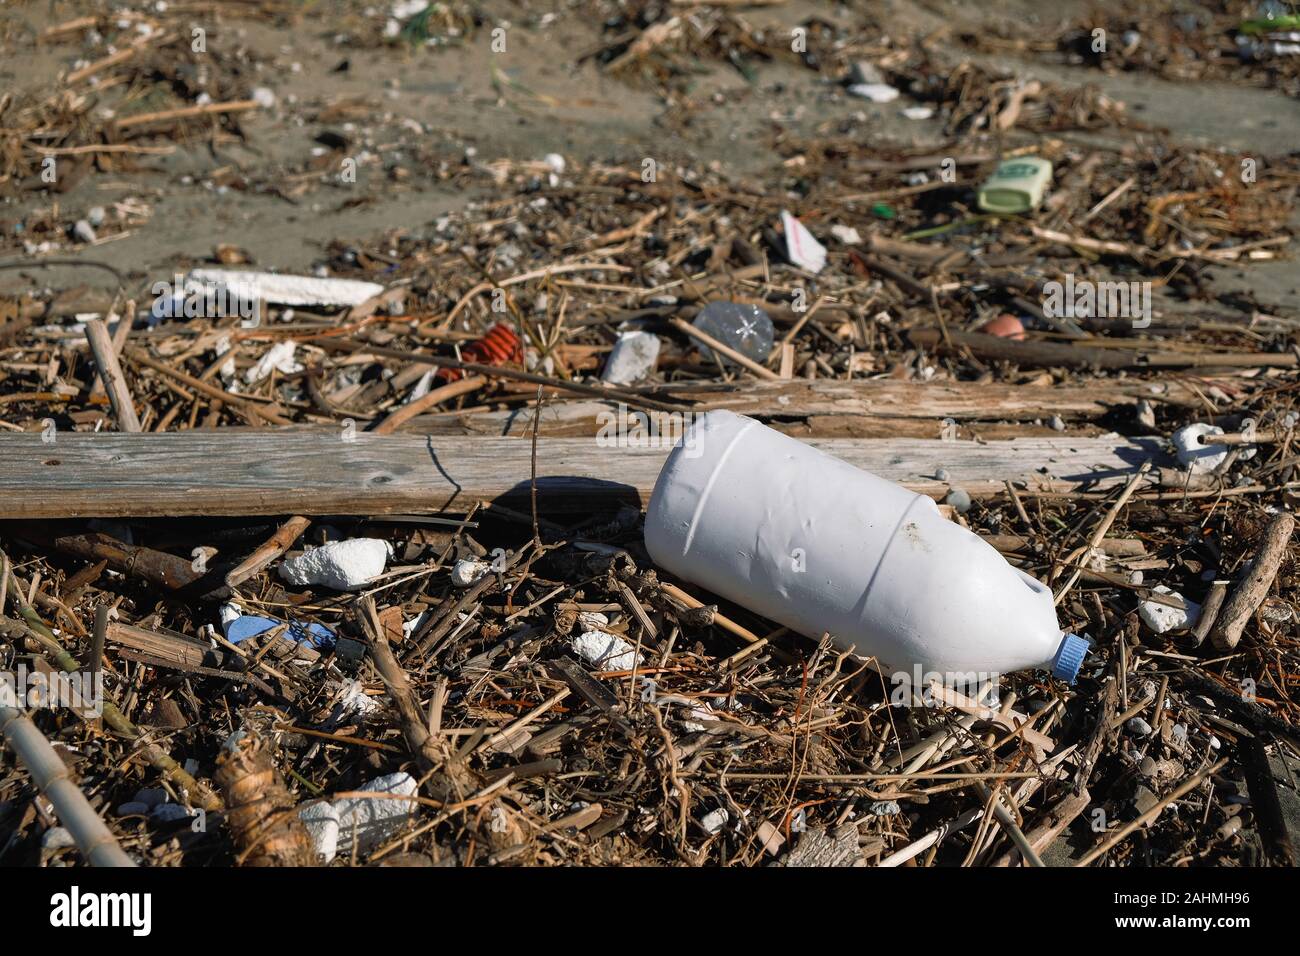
813 543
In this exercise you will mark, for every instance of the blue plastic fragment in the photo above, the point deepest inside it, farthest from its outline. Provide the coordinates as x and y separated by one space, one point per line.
313 635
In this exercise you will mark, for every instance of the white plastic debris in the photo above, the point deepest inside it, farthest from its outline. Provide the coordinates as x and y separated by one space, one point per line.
1193 454
715 820
263 97
555 161
593 621
846 234
1163 618
371 820
605 651
917 112
278 357
632 358
84 231
404 9
415 623
468 570
366 821
813 543
341 565
800 246
322 822
353 700
876 92
285 289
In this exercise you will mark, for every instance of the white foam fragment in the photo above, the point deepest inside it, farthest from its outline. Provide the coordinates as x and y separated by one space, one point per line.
800 246
286 289
846 234
605 651
1162 618
1193 454
372 820
278 357
715 820
354 701
468 570
341 565
322 822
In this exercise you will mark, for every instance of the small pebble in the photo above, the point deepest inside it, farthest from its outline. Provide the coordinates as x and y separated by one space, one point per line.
1138 727
169 813
959 500
56 838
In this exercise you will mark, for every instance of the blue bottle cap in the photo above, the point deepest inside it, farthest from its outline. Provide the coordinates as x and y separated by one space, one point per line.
1069 658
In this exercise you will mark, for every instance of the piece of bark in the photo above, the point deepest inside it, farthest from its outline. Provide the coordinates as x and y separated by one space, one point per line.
1254 585
1210 611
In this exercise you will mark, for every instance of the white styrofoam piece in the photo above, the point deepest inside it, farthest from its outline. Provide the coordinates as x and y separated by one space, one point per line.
278 357
286 289
1163 618
341 565
322 822
372 820
605 651
813 543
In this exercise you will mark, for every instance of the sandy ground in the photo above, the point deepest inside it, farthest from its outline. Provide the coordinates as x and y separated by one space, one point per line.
581 113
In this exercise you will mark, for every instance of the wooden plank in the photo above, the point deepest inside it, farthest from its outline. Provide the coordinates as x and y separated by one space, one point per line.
236 471
865 409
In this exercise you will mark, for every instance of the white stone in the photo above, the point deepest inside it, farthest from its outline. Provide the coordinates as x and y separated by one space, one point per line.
605 651
341 565
632 358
